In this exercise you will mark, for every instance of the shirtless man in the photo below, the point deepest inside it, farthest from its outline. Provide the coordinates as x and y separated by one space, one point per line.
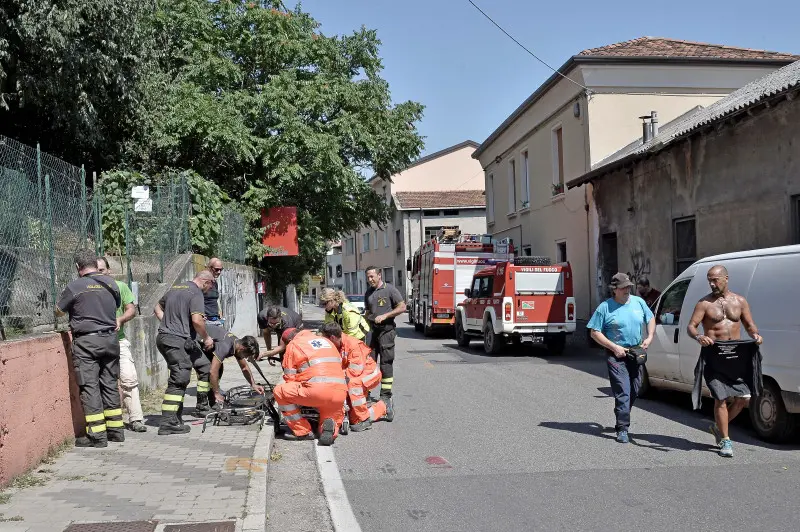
722 314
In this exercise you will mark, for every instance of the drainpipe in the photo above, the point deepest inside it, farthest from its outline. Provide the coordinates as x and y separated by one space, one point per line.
421 229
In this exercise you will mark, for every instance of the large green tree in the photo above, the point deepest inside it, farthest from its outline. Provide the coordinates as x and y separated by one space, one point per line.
70 74
257 99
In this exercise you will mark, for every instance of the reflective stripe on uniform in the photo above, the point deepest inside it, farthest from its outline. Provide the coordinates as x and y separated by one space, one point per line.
169 408
322 360
286 408
289 371
94 417
97 428
359 402
169 397
114 412
334 380
386 383
357 390
356 367
293 417
371 413
203 386
371 375
112 424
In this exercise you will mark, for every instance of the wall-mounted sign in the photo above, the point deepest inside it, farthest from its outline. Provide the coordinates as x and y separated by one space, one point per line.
142 192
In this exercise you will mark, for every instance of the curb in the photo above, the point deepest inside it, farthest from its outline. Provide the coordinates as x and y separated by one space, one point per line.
256 502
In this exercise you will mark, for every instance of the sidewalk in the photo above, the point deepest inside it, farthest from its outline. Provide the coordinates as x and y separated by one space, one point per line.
151 482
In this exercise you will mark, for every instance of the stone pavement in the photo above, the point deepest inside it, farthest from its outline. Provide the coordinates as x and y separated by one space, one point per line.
192 478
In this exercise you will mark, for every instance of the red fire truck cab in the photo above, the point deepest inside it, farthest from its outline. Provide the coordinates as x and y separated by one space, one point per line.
524 299
442 269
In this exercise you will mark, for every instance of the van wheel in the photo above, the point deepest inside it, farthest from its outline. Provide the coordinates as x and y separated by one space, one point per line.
769 416
556 343
426 329
417 326
492 342
462 338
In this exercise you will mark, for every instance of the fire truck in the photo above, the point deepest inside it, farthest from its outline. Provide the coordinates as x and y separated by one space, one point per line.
523 299
442 269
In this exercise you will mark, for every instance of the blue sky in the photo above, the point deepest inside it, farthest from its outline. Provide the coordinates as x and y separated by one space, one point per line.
470 76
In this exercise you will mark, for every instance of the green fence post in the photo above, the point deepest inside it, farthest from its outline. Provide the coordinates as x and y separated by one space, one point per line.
84 208
161 236
128 244
186 201
51 246
40 199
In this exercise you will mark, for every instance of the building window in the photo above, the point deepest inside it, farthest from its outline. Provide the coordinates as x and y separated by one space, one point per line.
431 232
490 199
512 186
430 214
526 182
386 238
338 270
561 247
387 275
796 219
398 239
608 248
330 272
450 212
399 280
365 242
375 240
558 161
685 243
526 251
350 247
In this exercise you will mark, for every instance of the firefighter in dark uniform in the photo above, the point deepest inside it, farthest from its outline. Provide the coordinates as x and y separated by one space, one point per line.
383 302
182 316
91 301
277 319
227 344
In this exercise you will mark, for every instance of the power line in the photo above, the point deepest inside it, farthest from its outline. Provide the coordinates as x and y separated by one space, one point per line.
524 48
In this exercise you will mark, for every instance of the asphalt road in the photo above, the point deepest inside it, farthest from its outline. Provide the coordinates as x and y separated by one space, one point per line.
524 441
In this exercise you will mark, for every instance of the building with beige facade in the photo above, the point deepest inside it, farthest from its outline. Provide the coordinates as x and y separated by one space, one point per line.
441 190
581 115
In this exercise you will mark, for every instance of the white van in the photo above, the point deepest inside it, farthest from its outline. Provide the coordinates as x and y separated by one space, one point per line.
770 280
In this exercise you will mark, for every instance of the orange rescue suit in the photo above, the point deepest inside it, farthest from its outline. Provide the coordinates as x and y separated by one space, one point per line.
363 375
313 375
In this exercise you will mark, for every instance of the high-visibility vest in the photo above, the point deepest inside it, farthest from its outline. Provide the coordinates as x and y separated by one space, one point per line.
349 319
313 359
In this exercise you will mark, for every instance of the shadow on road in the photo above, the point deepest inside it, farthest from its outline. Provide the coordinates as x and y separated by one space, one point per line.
658 442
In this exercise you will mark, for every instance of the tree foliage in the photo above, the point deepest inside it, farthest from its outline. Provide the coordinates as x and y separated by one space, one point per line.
70 74
275 112
252 97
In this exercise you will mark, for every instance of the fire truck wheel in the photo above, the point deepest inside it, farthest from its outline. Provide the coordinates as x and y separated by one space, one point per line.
556 343
462 338
492 342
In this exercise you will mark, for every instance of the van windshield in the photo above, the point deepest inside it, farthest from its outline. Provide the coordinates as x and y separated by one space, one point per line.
540 283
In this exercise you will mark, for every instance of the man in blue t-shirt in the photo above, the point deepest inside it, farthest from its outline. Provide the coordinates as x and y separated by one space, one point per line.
617 325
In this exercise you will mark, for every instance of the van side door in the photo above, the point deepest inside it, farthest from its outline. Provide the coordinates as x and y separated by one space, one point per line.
663 356
471 307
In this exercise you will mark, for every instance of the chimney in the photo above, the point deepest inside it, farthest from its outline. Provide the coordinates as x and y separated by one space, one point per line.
647 131
653 123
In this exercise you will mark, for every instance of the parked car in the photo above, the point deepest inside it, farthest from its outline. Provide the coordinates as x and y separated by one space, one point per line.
767 279
357 300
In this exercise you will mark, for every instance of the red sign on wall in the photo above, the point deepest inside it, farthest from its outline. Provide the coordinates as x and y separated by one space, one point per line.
280 234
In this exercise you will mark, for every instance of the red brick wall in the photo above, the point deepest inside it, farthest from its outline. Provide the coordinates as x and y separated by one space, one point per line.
39 401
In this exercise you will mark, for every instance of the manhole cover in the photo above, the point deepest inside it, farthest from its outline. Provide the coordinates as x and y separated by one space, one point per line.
132 526
221 526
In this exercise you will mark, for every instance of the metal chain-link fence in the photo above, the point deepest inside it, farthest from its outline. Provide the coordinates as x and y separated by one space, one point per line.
47 213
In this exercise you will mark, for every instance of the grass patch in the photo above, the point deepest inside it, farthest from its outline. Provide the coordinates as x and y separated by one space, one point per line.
28 480
4 498
151 401
7 519
275 456
58 450
73 478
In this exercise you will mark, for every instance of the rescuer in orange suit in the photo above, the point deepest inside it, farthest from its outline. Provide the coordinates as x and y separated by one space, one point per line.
313 375
362 376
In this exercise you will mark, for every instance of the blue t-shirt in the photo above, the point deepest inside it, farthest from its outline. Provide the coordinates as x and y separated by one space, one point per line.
622 324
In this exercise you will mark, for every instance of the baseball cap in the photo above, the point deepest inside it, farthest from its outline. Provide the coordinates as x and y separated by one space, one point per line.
288 334
620 280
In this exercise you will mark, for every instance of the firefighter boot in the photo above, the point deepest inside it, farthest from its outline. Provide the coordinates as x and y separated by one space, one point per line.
171 425
86 441
116 435
203 407
361 426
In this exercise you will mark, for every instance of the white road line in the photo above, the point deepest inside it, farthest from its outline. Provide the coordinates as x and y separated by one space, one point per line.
344 520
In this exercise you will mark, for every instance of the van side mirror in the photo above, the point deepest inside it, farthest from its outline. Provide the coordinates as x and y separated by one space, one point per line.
408 265
467 293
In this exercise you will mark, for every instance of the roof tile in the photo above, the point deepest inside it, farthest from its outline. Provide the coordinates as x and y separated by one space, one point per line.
439 199
663 47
